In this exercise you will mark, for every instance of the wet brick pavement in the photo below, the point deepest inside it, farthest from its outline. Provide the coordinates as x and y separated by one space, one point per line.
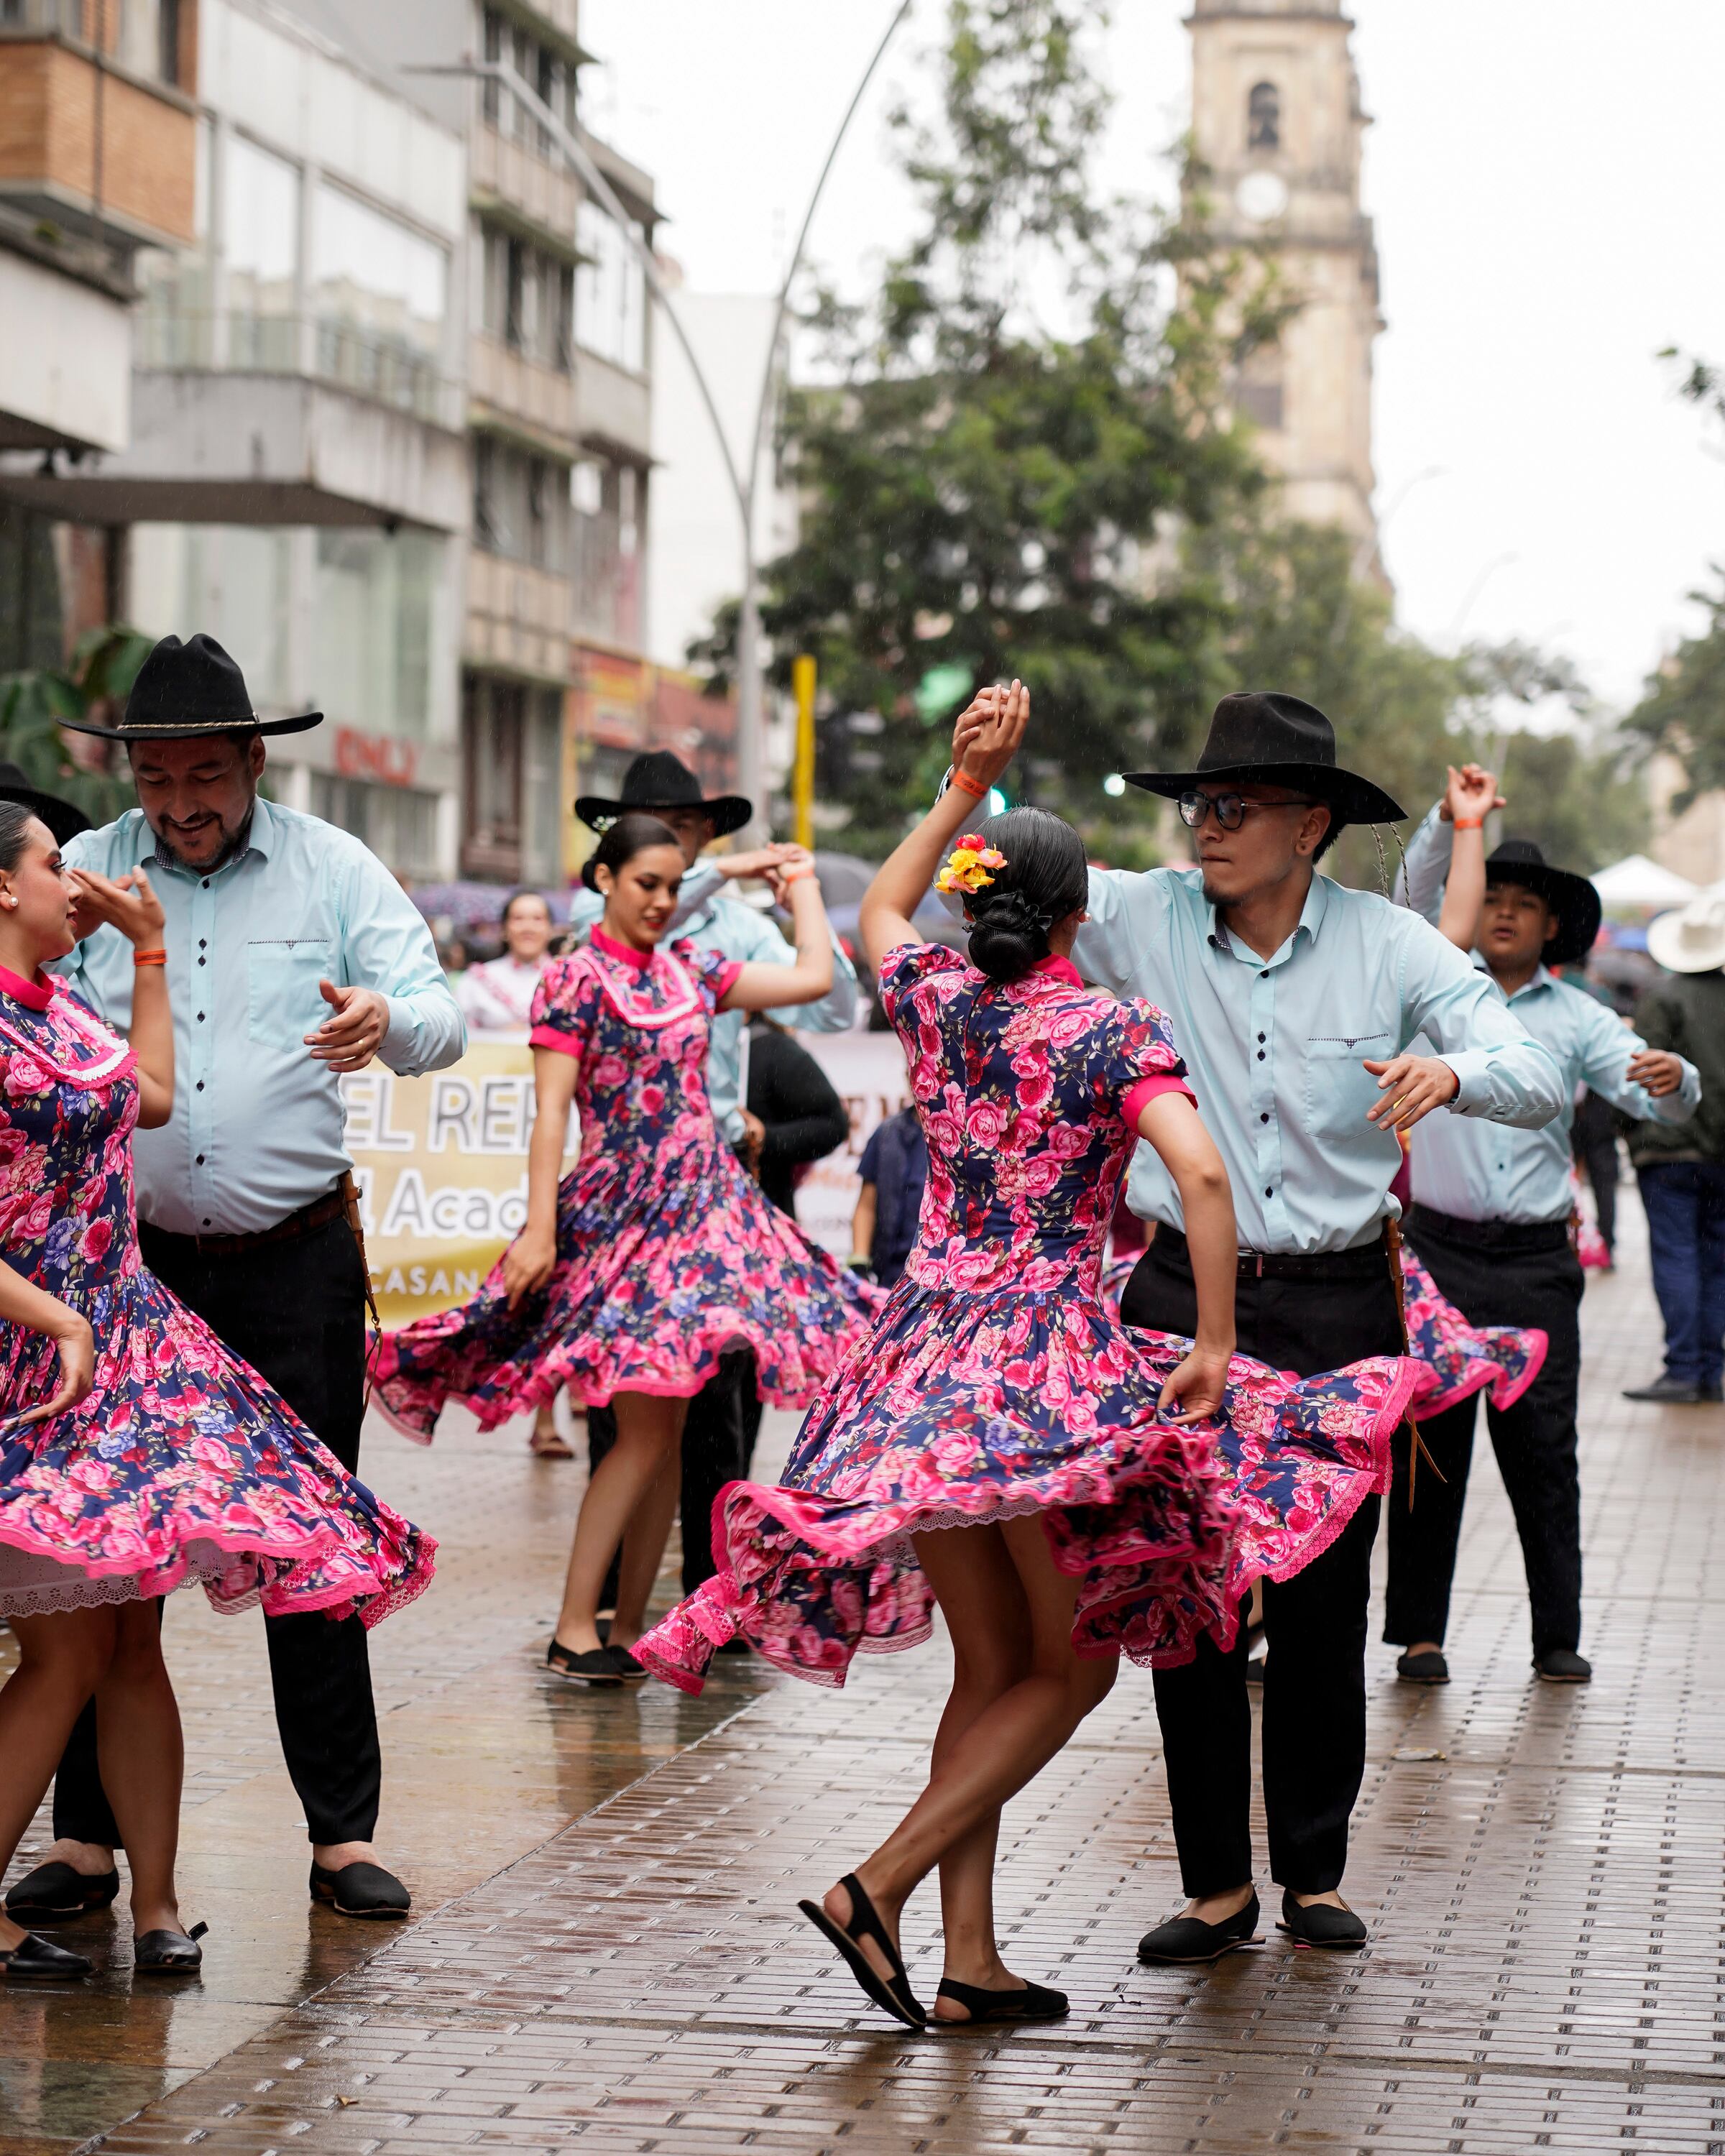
1541 1868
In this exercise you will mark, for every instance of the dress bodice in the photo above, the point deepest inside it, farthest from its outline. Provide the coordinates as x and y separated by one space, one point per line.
639 1024
1029 1093
69 1100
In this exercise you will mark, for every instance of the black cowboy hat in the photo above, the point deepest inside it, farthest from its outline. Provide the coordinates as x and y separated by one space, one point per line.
61 818
1260 737
659 780
185 689
1572 898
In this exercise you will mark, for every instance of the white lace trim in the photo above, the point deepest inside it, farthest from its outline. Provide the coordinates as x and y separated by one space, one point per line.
32 1585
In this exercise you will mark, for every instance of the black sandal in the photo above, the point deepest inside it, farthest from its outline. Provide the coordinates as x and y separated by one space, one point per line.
595 1666
1035 2002
168 1953
894 1994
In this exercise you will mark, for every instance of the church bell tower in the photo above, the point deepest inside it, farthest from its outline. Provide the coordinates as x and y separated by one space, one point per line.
1276 123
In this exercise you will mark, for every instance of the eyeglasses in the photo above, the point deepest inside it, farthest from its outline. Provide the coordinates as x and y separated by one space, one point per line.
1230 808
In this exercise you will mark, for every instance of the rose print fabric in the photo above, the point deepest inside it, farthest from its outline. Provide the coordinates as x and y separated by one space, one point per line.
667 1252
181 1463
996 1382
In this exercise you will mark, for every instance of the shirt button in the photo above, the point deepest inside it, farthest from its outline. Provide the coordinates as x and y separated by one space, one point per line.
203 962
200 1160
1266 1190
1264 975
206 1223
1260 1036
203 942
200 1085
1264 1118
200 1018
206 886
1260 1055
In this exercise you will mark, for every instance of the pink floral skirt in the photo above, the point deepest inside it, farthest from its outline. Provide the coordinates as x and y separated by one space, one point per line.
962 1409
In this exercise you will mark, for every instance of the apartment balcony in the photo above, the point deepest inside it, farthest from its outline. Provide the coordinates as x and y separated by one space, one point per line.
562 15
616 407
99 144
514 183
517 618
66 384
523 392
215 448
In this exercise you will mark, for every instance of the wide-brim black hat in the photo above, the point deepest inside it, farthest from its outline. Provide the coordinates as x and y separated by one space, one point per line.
1260 737
186 689
62 818
659 780
1571 897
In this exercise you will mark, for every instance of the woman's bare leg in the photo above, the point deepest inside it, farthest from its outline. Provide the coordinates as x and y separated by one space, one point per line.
643 1543
648 1429
62 1659
1008 1741
142 1757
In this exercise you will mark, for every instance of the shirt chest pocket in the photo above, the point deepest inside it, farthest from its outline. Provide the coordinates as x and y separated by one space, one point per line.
1339 1091
283 1003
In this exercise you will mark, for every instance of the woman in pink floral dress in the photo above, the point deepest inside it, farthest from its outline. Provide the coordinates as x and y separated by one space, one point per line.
135 1452
1116 1493
655 1253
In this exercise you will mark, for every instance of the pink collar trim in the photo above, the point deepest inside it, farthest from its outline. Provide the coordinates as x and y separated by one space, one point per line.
1053 967
640 960
34 995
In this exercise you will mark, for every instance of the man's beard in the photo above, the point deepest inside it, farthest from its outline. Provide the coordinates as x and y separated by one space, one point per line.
233 843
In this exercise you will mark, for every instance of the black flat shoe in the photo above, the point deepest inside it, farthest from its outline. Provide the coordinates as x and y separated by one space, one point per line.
893 1993
625 1665
361 1890
1671 1391
1190 1939
54 1892
34 1956
1030 2002
595 1666
1427 1669
1563 1666
171 1954
1322 1924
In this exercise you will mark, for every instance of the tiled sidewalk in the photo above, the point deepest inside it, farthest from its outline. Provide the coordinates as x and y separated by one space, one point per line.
1541 1868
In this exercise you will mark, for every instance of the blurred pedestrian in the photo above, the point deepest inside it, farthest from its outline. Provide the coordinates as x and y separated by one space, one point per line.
1594 1140
655 1255
496 995
1491 1223
1681 1172
793 1117
141 1453
893 1171
295 956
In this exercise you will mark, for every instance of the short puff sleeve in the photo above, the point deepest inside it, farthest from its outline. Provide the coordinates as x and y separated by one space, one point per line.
563 1013
907 967
1137 1059
715 974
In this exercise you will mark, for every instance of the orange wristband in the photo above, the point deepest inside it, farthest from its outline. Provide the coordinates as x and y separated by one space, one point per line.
149 958
1468 822
796 873
970 787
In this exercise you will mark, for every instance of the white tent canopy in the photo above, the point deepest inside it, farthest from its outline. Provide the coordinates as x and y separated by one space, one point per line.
1640 885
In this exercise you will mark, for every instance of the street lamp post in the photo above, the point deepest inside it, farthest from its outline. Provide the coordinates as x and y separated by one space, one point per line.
751 715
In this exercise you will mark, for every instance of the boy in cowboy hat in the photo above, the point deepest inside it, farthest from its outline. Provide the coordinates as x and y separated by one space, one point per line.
1490 1222
1293 1000
294 955
716 1435
1681 1172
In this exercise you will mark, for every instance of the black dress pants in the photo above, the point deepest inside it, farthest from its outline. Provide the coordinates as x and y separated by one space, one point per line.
717 1441
1314 1711
296 1312
1534 1440
1593 1136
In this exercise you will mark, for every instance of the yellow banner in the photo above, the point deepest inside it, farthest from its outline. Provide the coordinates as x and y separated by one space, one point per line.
441 1163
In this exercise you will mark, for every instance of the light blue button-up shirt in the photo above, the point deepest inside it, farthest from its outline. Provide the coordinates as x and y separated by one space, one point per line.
1475 1171
257 1127
709 916
1274 1045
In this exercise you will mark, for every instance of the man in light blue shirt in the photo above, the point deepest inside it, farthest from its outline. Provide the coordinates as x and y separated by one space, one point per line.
1491 1221
717 1434
1294 1002
293 956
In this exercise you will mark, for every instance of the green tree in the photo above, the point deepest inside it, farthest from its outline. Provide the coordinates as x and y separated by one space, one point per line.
1682 709
1007 434
33 703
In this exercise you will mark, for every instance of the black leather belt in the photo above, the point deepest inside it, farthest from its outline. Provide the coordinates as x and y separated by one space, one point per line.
1508 1236
1367 1262
306 1221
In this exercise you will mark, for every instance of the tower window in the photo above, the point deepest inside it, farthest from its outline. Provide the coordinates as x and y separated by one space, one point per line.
1264 118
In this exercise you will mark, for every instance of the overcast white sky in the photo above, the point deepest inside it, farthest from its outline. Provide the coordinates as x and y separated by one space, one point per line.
1548 184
